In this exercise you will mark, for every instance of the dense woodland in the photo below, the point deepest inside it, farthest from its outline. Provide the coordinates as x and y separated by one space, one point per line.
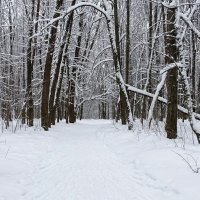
120 59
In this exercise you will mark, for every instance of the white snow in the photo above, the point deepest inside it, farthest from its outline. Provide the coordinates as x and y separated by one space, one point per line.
97 160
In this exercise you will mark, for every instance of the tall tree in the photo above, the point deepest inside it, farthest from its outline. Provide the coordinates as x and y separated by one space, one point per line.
72 80
123 107
127 40
172 75
56 82
48 67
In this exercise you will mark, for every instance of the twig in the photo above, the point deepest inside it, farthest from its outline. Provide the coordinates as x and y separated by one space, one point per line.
187 162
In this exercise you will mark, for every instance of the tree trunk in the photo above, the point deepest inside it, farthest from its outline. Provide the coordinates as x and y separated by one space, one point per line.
47 69
193 66
123 110
127 41
72 84
29 93
63 48
117 66
148 83
171 81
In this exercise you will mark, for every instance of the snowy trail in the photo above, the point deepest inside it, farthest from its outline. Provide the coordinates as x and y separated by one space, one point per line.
76 162
82 167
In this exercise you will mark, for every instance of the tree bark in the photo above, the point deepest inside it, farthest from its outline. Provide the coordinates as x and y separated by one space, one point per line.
63 49
123 110
127 40
148 83
72 81
47 69
172 75
119 79
30 57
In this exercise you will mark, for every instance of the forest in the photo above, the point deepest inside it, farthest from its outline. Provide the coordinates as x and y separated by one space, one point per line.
105 59
99 99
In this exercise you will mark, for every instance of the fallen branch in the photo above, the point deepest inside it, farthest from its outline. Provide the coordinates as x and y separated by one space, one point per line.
160 99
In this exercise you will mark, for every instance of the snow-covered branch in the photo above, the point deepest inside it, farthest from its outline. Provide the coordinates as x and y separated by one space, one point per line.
155 97
190 24
161 99
78 5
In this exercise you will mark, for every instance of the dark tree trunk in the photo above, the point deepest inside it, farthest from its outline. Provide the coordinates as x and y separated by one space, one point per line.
108 111
30 109
47 69
193 66
113 110
127 40
72 85
81 110
62 49
123 105
171 57
145 103
58 92
103 110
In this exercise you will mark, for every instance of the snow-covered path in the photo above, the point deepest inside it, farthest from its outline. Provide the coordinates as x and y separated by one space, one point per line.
81 167
75 162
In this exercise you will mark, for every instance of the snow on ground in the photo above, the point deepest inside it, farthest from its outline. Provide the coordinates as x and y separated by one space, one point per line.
97 160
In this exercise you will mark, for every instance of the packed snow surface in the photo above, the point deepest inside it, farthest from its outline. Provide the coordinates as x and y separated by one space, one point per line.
96 160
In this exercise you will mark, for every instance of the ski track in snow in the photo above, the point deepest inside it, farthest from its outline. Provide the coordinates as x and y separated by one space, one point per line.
76 164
